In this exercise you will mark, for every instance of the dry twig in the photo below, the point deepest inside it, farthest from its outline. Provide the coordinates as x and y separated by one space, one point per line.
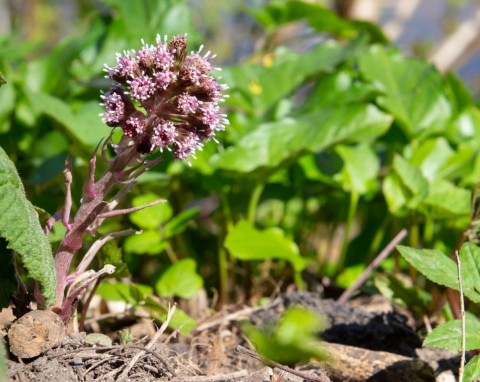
152 342
372 266
218 378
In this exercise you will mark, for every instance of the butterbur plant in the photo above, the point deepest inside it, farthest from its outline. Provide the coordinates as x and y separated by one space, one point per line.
162 99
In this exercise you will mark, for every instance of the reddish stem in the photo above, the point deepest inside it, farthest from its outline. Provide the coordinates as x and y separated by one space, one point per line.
86 215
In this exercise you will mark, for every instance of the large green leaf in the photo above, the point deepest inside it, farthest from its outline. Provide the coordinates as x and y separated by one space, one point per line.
84 126
470 266
360 168
413 90
431 155
263 85
395 195
247 243
447 201
272 143
405 187
180 279
20 226
449 335
441 269
338 88
432 263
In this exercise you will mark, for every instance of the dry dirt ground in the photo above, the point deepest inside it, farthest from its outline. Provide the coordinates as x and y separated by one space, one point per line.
368 340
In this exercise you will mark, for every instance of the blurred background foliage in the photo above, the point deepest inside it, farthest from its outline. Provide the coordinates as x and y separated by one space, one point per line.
336 142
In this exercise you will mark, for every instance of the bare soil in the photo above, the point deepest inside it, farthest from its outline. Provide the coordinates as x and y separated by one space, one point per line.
369 340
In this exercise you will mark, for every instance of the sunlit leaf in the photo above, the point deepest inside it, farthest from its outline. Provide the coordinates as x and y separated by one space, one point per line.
446 200
149 242
360 169
449 335
413 90
180 279
150 217
434 264
247 243
472 369
119 291
441 269
271 143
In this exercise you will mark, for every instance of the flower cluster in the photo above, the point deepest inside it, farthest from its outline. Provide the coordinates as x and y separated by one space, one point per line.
178 96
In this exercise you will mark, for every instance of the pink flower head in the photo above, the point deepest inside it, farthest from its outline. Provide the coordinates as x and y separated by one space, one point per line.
176 95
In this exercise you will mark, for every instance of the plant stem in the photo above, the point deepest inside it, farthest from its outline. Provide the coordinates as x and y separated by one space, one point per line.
85 216
352 210
254 200
223 274
461 370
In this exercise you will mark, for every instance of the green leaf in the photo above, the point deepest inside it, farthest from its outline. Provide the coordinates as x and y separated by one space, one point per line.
118 291
447 201
470 266
294 339
395 195
8 105
153 216
247 243
440 268
20 226
413 90
430 156
449 335
472 369
412 179
360 169
457 92
148 242
262 86
2 79
338 88
272 143
180 279
432 263
84 126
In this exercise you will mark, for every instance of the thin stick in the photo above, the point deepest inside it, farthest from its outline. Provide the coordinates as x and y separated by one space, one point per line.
218 378
372 266
148 346
461 370
240 349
